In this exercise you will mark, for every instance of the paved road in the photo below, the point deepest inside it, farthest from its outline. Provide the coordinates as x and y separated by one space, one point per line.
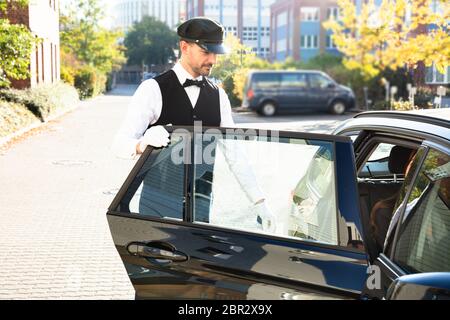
311 122
56 186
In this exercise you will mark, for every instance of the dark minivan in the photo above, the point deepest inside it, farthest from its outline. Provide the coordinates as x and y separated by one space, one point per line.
270 92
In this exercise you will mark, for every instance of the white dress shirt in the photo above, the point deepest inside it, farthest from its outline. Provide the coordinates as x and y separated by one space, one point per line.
145 109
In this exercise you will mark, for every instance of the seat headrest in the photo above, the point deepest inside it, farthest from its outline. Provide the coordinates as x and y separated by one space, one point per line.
398 159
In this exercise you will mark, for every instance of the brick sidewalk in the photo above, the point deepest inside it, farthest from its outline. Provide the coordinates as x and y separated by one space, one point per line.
56 187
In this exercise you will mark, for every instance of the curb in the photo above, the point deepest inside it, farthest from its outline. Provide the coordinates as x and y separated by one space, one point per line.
240 110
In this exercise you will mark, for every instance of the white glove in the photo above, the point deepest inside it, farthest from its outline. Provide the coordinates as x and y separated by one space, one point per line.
266 220
156 137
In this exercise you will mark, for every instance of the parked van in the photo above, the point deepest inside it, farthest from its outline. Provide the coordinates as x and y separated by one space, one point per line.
270 92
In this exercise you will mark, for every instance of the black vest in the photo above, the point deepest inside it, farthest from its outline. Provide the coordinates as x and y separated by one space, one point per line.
177 108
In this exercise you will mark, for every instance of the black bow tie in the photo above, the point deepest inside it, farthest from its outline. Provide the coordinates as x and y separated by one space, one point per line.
198 83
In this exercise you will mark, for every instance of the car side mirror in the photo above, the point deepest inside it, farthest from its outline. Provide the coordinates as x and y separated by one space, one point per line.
331 85
421 286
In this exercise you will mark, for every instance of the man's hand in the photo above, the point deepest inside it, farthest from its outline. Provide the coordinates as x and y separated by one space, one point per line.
156 137
265 218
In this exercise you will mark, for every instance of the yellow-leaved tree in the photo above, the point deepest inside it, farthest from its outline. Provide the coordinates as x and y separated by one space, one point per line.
233 68
395 34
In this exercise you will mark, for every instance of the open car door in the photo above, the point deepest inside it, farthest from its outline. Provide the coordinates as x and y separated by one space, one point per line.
242 214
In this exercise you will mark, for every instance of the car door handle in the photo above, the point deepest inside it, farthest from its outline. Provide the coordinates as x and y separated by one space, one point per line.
156 250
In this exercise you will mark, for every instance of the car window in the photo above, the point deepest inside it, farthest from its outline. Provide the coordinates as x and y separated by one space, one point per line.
265 80
318 81
294 177
377 165
297 80
424 236
158 188
381 152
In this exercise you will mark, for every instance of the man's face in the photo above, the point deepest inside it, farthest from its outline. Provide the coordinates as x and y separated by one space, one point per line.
199 60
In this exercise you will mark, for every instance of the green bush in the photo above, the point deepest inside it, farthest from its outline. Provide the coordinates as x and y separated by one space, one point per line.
43 100
424 98
380 105
67 75
13 117
109 81
89 82
402 105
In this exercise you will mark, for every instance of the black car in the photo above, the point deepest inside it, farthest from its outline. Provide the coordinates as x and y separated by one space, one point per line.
359 214
271 92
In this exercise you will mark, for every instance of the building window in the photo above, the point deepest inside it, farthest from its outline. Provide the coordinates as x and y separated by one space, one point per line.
51 61
43 66
333 13
309 41
282 19
330 42
434 76
281 45
37 62
436 7
309 14
56 62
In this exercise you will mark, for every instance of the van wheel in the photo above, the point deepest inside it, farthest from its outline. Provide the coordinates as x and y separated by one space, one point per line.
268 109
337 107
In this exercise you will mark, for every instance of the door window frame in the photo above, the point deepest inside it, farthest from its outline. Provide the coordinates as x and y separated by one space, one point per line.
189 180
428 145
363 149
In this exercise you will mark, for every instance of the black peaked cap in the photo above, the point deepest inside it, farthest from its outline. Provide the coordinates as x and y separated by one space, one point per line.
206 32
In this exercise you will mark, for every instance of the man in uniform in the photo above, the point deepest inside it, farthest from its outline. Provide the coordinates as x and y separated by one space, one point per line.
182 96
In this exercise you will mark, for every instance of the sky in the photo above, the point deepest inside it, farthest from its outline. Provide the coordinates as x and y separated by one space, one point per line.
107 4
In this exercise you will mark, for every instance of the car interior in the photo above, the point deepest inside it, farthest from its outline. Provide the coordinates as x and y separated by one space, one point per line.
379 182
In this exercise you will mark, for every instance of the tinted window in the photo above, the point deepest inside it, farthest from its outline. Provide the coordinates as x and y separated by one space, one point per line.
381 152
158 188
424 237
378 163
381 186
294 80
265 80
295 178
319 81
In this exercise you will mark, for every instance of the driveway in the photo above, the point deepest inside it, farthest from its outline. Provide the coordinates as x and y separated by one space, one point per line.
56 186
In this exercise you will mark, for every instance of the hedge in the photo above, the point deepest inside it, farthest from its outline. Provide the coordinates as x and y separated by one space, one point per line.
13 117
21 108
89 82
43 100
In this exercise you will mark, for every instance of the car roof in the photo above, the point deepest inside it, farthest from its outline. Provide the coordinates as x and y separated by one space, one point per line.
440 117
420 123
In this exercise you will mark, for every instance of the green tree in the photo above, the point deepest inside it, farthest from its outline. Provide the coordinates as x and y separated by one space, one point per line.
150 42
83 37
16 46
5 3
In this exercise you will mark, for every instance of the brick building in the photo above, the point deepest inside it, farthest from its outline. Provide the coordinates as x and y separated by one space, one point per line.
249 20
128 12
42 18
297 30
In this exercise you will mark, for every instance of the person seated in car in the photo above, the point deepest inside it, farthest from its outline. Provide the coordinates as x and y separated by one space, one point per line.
400 160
